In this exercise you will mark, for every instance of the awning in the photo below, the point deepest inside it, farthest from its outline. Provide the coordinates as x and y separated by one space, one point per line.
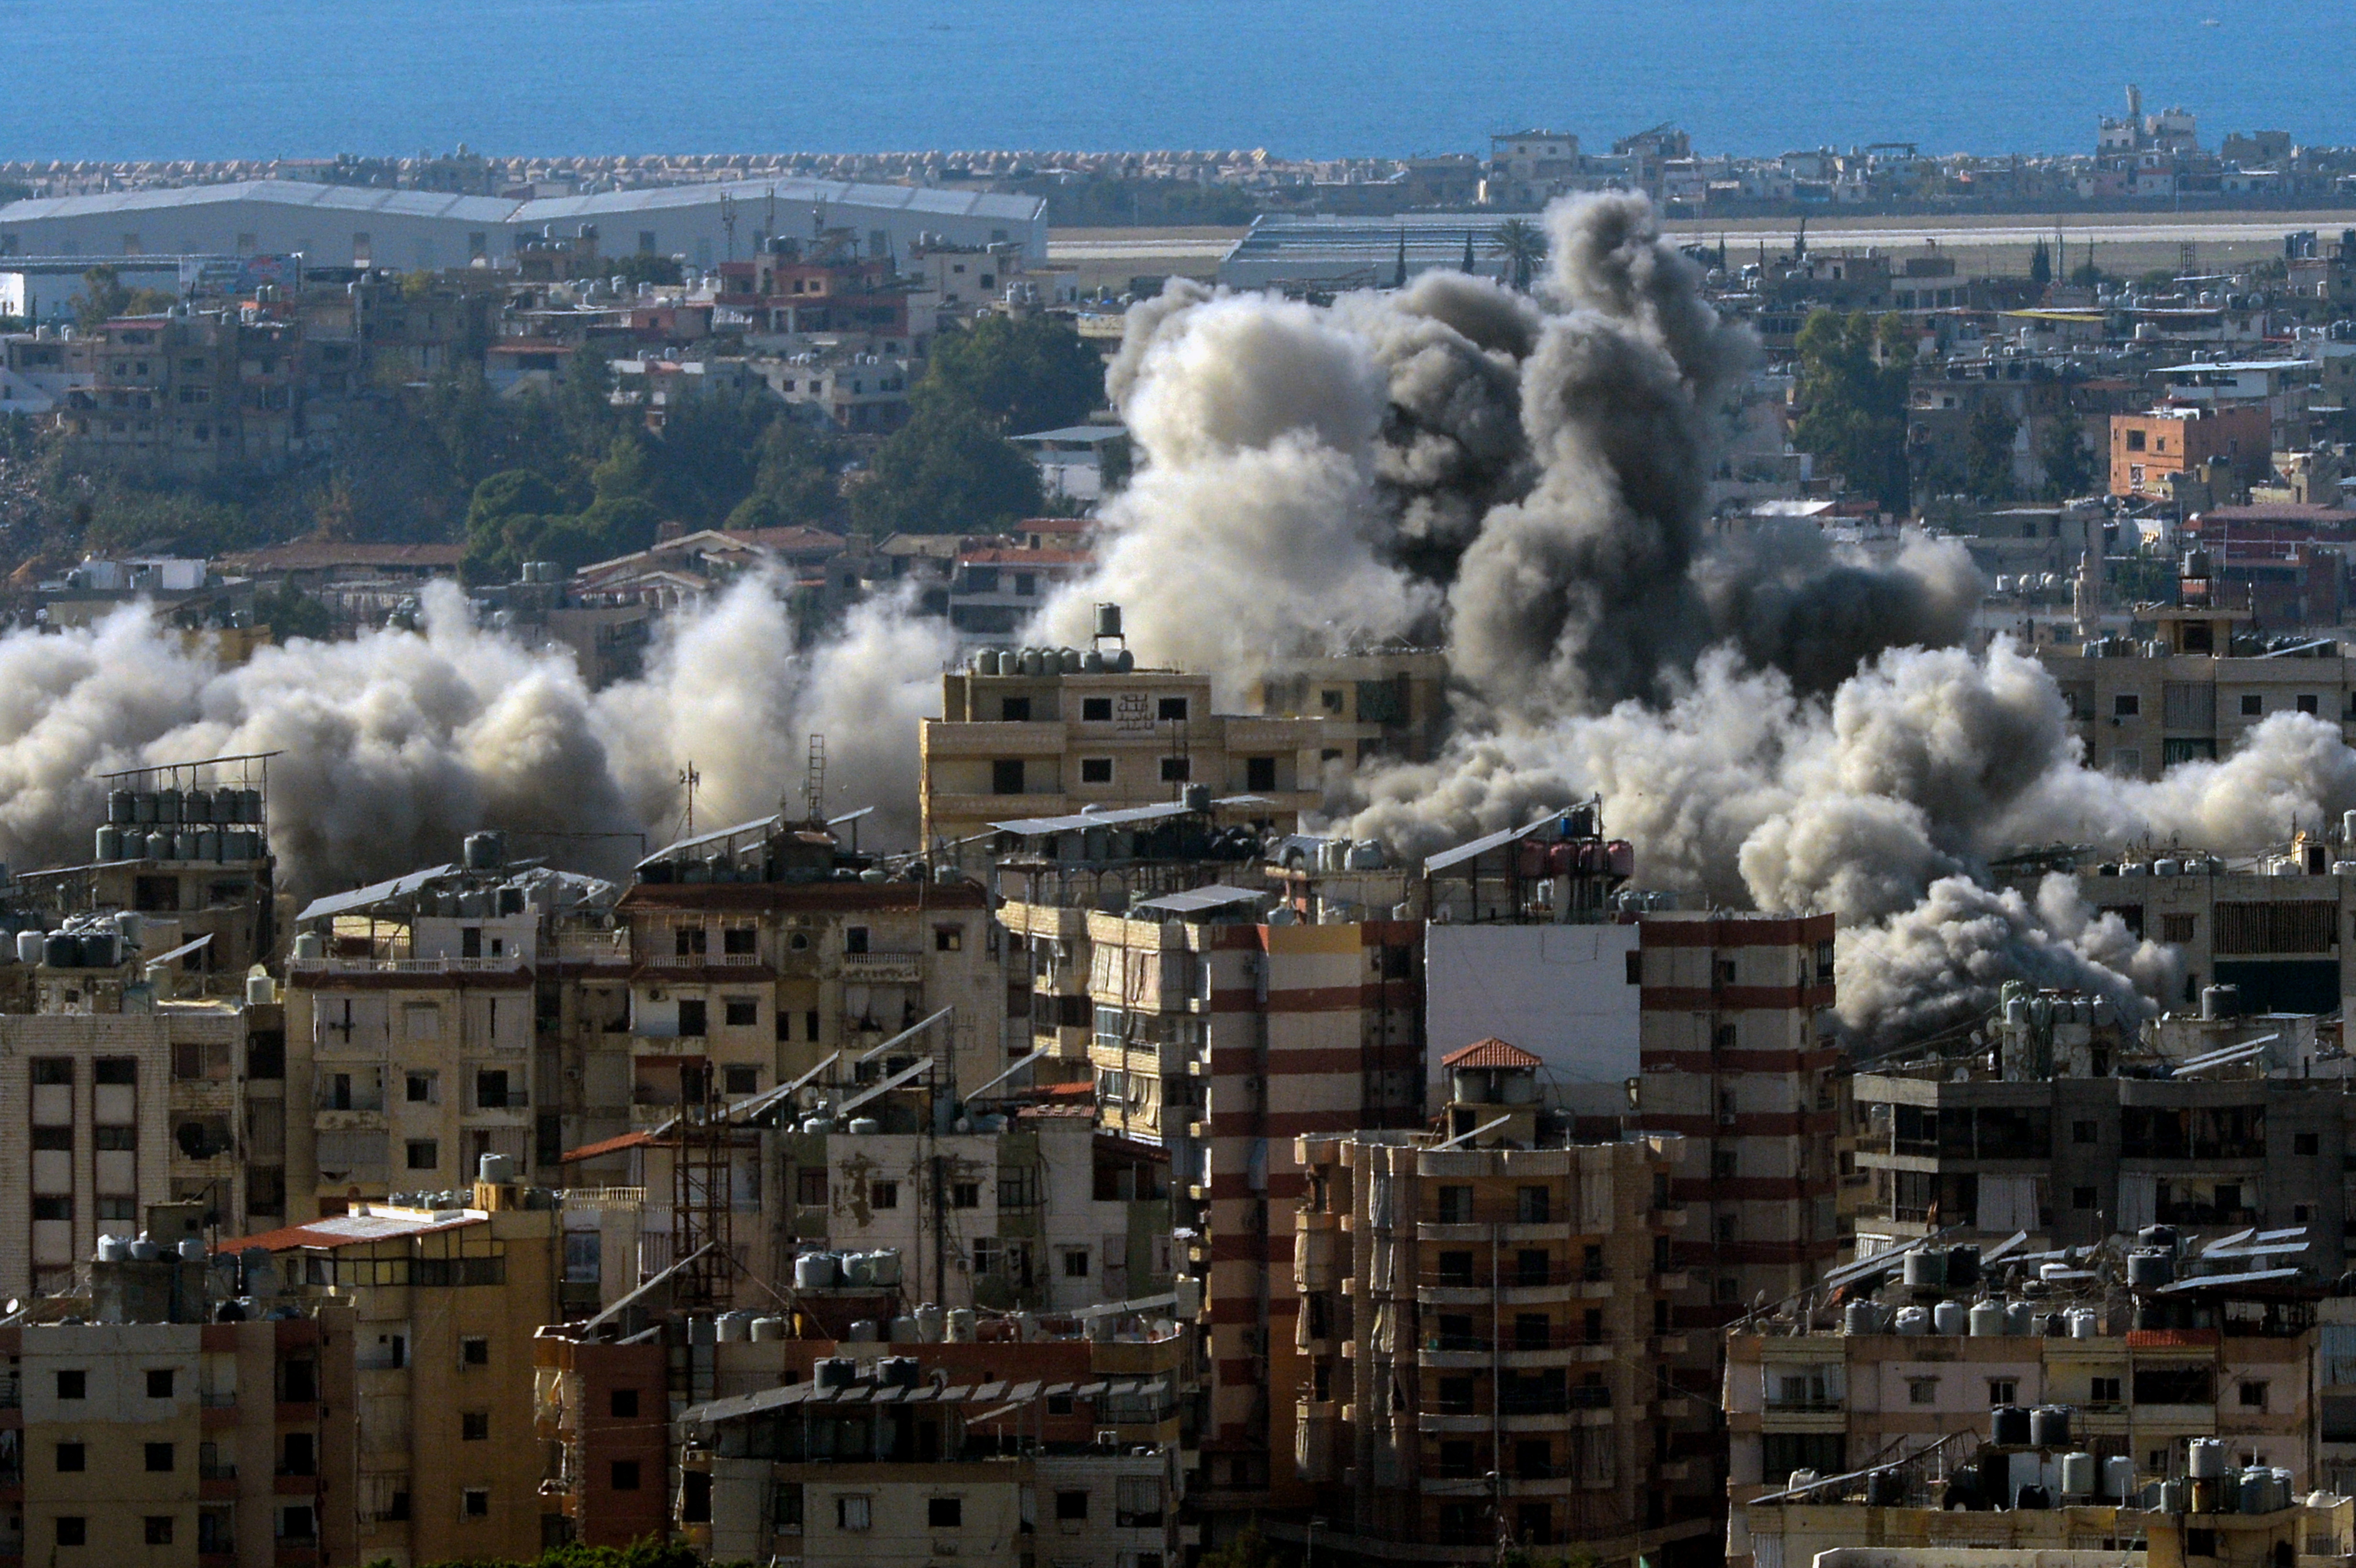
1217 896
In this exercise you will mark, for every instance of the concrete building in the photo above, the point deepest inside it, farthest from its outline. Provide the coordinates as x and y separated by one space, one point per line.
358 225
444 1304
1483 1332
1391 704
150 1434
2152 453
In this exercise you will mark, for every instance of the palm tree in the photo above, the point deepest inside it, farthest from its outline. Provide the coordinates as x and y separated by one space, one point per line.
1523 245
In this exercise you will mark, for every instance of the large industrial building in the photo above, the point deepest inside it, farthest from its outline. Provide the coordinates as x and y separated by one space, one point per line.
339 226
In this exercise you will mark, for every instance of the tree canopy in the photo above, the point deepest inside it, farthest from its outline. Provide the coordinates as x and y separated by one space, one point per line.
1853 375
1015 374
1987 451
2068 461
946 472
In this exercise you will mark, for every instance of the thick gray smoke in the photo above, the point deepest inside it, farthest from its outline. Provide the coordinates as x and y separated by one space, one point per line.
393 746
1778 724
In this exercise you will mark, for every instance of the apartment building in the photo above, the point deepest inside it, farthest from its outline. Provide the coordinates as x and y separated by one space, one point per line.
131 1122
2153 452
1737 1056
1392 704
2226 1358
1038 743
1483 1329
150 1434
444 1304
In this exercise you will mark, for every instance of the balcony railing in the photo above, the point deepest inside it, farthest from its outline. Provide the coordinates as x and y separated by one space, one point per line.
1508 1273
1556 1337
505 964
702 961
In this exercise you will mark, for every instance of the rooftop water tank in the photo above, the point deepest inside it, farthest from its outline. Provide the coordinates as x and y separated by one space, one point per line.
1925 1269
498 1170
766 1329
2079 1475
2119 1476
2008 1427
736 1328
960 1325
2048 1427
816 1271
2205 1460
1988 1319
1912 1320
1951 1316
834 1371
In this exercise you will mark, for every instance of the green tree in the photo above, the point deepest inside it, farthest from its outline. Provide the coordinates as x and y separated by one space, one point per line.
627 473
585 416
290 612
1987 451
104 296
2040 265
643 266
795 482
2067 459
1853 375
946 472
1017 376
1522 245
2086 275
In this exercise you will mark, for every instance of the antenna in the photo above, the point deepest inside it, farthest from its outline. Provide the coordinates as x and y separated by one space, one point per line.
691 779
814 783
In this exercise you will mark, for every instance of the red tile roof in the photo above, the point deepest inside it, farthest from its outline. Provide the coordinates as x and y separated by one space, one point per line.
1489 1053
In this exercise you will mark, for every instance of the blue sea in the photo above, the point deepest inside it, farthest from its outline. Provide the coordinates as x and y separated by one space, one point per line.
214 79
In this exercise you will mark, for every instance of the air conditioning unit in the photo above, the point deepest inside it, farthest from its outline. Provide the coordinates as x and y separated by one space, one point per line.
1107 1438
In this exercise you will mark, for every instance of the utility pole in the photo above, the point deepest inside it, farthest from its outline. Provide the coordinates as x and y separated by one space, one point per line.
688 777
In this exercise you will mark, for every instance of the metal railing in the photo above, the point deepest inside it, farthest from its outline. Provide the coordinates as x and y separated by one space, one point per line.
505 964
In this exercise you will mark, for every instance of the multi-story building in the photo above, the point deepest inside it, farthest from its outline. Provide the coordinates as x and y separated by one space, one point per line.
444 1303
2152 452
1036 742
1482 1329
2195 691
140 1430
1392 705
996 588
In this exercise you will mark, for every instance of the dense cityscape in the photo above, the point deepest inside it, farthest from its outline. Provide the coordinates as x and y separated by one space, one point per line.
1186 860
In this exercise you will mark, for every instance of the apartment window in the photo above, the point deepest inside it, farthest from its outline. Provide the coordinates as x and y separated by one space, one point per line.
742 1080
2082 1198
2103 1391
474 1350
1722 1164
159 1458
1015 709
2252 1394
622 1403
2083 1133
2253 705
742 1011
944 1513
1330 700
73 1459
1922 1390
1260 773
948 938
1071 1505
1096 709
2201 1543
1530 1206
159 1382
2306 1143
693 1017
851 1512
2135 440
626 1475
810 1186
2003 1391
1137 1502
883 1195
1075 1262
54 1140
646 242
424 1154
2307 702
475 1426
965 1195
1455 1205
1177 770
2125 705
1171 709
1006 776
474 1502
72 1383
420 1089
1096 770
74 1530
158 1529
491 1089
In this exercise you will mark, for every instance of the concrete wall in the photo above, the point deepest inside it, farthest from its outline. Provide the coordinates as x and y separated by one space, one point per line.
1559 992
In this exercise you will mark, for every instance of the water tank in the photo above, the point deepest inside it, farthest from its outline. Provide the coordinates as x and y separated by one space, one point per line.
2048 1427
736 1328
2053 1324
1796 1480
242 844
249 806
109 846
2205 1460
2008 1427
985 661
2079 1474
1197 797
308 945
29 947
498 1170
60 951
2118 1476
884 1264
197 807
857 1271
1067 661
863 1332
143 1251
768 1330
1925 1269
1912 1320
2164 1237
816 1271
1950 1316
2284 1496
1123 662
896 1371
865 1127
2084 1323
903 1330
485 851
113 1249
960 1325
208 845
834 1371
261 990
1861 1317
928 1323
2221 1001
1963 1265
225 807
2174 1494
1092 662
2149 1268
168 807
2051 1271
1108 625
2256 1491
122 807
1988 1319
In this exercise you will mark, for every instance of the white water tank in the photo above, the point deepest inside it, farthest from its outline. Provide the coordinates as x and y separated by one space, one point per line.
960 1324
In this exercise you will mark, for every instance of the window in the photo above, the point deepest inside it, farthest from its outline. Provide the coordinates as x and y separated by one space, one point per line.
1096 770
883 1195
2252 1394
1260 773
2306 702
2135 440
158 1529
420 1089
1006 776
851 1512
2082 1133
1177 770
1071 1505
2082 1198
944 1513
1171 709
474 1502
72 1459
2125 705
1455 1205
1137 1502
2002 1391
1530 1206
1075 1262
491 1089
693 1019
72 1384
2253 704
810 1186
948 938
2201 1543
742 1080
2306 1143
424 1154
474 1351
1096 709
116 1070
475 1426
159 1382
622 1403
159 1458
741 1011
965 1195
74 1530
2103 1391
1922 1390
854 939
626 1475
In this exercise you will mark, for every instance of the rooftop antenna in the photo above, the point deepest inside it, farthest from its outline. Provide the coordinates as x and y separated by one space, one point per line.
688 777
814 780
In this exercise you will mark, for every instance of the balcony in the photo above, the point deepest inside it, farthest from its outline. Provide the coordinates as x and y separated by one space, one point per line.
702 961
883 968
507 963
602 949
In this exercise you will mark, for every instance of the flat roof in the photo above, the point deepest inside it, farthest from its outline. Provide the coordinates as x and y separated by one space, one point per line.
1217 896
349 1230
